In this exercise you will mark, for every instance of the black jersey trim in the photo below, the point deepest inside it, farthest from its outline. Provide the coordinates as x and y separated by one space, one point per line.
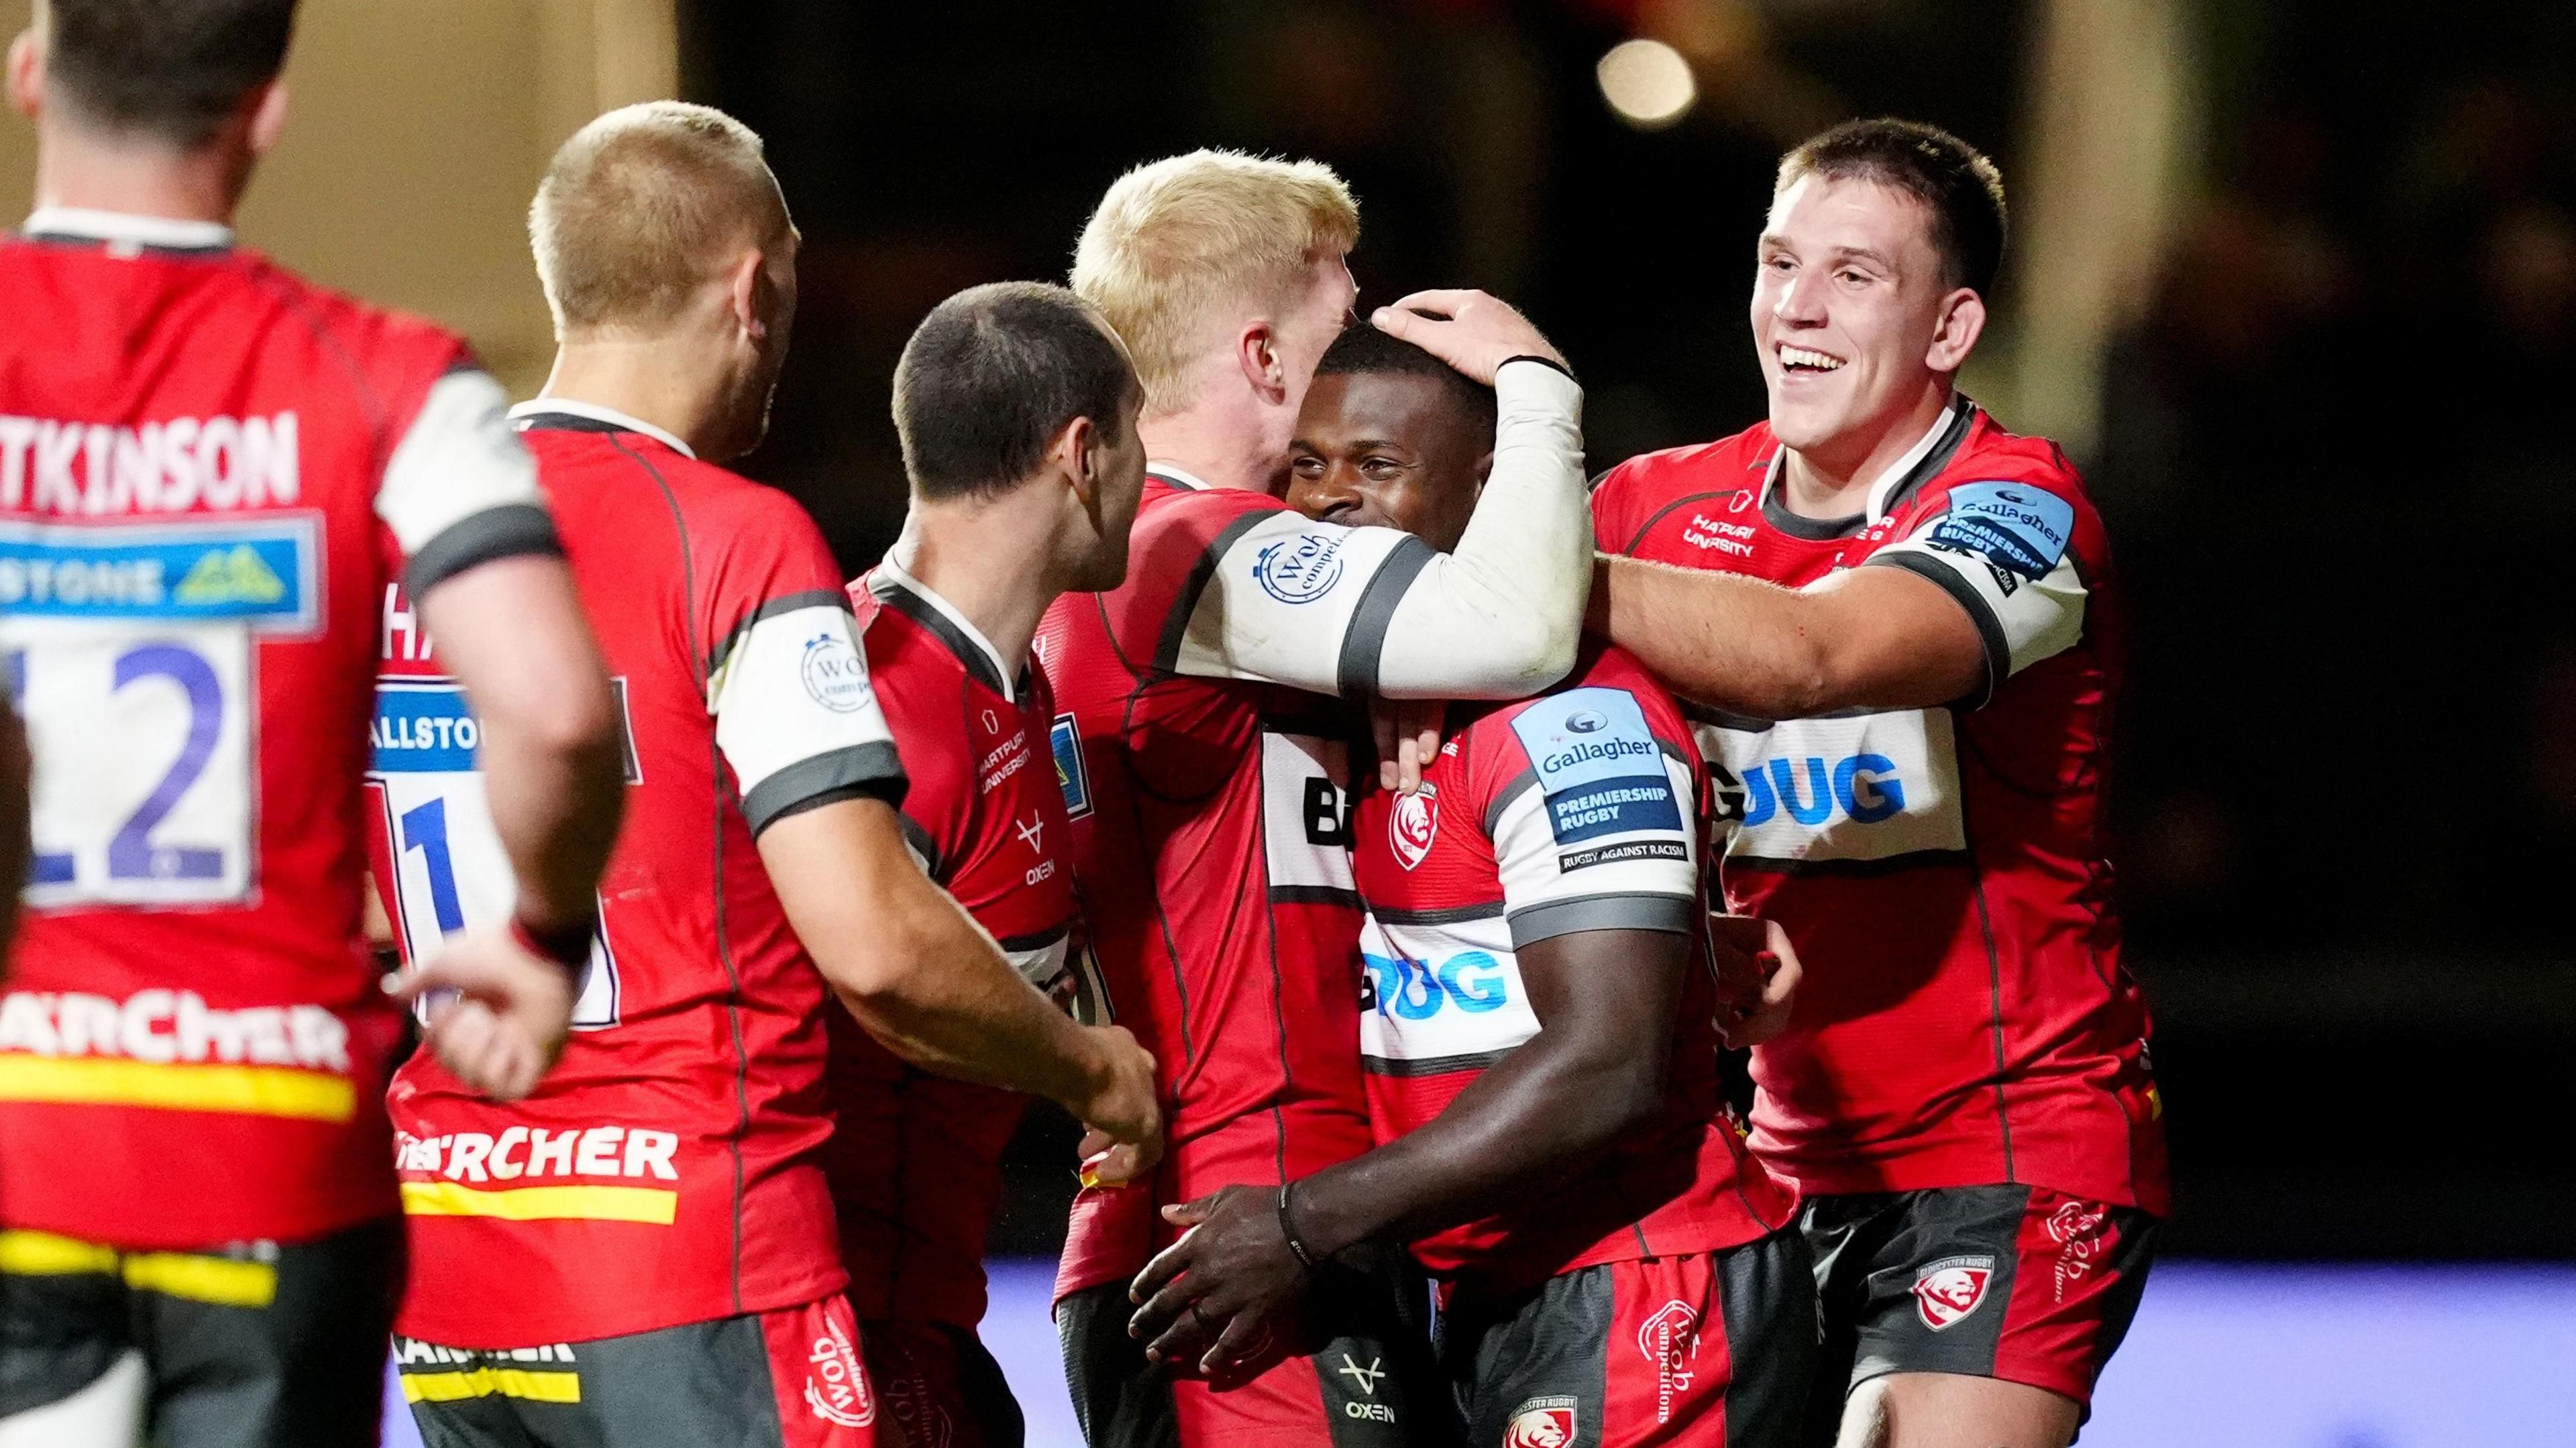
1364 641
872 770
1443 915
1963 414
1034 940
1669 914
1519 784
512 530
1629 550
1429 1065
978 664
922 844
783 603
1176 624
569 422
1314 895
1990 629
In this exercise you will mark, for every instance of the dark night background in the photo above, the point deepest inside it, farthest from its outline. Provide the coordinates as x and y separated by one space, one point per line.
2329 449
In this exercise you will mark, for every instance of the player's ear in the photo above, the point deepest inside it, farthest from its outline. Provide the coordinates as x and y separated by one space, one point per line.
1256 351
27 73
267 117
1963 320
1080 451
747 292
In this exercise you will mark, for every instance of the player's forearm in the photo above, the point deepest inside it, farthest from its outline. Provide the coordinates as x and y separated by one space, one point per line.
1546 1109
1722 639
513 633
1500 616
911 965
947 1001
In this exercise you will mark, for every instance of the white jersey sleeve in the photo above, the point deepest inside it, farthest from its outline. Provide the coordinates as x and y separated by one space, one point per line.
796 717
1373 611
2005 552
1600 832
460 488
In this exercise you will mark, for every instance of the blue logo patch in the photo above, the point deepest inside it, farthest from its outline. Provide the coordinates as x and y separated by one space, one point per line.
423 729
1416 990
1300 569
1599 768
2024 529
262 573
1069 772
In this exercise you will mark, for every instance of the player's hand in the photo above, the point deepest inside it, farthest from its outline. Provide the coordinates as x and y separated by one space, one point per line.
1212 1301
1470 330
504 1025
1757 978
1125 1120
1408 739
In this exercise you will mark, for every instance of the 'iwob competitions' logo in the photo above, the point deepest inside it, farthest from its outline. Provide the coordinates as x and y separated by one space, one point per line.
833 672
1300 569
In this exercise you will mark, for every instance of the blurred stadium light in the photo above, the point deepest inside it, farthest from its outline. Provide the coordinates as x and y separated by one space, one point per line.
1647 83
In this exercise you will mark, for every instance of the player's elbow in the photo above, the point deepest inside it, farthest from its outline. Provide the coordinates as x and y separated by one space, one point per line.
1524 653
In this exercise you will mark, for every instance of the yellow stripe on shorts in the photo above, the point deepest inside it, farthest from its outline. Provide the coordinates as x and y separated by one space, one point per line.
190 1276
542 1204
239 1090
452 1387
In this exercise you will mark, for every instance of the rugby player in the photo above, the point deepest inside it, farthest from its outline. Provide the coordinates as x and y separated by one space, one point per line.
1901 620
197 452
1204 762
1538 1028
643 1251
1017 413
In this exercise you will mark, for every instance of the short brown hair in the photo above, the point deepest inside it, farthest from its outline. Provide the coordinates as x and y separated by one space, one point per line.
172 69
992 375
639 209
1177 241
1962 188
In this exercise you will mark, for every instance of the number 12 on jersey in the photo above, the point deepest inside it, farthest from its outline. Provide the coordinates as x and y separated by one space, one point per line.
450 872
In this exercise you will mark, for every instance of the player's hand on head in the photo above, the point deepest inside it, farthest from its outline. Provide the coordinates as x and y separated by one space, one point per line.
1472 331
1757 978
1211 1303
505 1021
1122 1111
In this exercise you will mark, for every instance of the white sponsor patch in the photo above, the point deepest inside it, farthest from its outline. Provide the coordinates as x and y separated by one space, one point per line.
1867 787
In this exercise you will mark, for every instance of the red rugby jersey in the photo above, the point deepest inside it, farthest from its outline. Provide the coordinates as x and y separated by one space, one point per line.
1943 872
197 453
1578 810
916 1165
1211 829
669 1170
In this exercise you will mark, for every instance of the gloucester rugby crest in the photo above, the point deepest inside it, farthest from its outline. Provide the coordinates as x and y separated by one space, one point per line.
1412 825
1950 1289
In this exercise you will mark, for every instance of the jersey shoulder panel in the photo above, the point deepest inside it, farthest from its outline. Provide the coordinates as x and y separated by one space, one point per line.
922 689
393 356
1179 539
1628 498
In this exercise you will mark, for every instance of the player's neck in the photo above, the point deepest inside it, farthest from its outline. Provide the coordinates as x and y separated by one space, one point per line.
648 380
1834 481
83 170
989 562
1216 446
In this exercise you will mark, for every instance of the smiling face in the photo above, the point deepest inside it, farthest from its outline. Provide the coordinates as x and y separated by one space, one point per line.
1389 449
1853 315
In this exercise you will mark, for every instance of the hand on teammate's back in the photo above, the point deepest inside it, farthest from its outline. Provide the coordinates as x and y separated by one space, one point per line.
1475 332
501 1031
1757 978
1123 1138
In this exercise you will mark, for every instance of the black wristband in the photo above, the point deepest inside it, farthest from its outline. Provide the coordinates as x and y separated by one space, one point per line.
1549 363
1288 1229
565 945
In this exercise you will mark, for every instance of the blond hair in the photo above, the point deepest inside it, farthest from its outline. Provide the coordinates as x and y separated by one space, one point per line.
641 207
1183 245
